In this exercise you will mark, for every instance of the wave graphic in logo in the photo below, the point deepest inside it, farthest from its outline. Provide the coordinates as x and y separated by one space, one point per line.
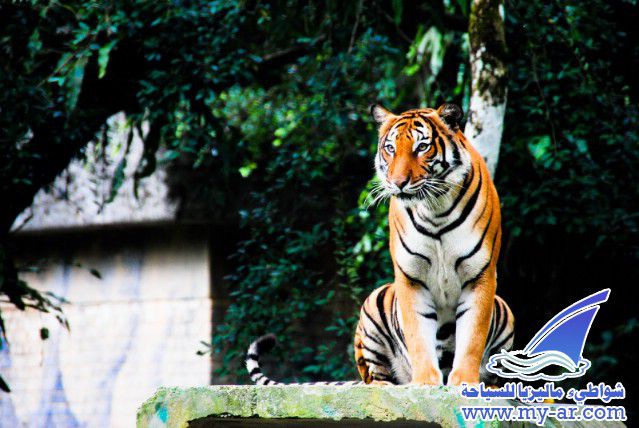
558 346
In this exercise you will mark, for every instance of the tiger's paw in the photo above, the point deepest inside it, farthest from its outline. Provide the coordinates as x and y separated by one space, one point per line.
461 375
432 377
381 383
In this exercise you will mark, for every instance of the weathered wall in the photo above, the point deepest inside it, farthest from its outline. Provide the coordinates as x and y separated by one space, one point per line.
79 196
135 329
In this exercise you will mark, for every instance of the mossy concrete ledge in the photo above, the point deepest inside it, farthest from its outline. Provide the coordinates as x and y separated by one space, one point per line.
302 406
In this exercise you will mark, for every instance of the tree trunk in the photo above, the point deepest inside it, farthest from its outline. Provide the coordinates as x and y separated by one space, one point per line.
488 79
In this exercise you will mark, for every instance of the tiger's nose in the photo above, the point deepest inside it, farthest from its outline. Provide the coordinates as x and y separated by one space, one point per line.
400 182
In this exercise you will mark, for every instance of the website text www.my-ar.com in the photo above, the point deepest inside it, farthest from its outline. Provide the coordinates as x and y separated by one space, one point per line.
539 413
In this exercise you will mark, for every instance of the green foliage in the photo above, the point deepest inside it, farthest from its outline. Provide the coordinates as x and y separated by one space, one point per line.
571 80
303 216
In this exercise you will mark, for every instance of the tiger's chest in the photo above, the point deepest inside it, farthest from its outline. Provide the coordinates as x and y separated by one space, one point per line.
443 263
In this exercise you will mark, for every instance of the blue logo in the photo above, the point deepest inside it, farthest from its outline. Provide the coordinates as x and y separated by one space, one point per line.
558 346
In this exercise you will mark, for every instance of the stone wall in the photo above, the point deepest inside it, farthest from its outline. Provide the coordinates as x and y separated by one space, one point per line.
80 195
326 406
136 328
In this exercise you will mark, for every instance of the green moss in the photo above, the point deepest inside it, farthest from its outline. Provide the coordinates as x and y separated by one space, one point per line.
175 407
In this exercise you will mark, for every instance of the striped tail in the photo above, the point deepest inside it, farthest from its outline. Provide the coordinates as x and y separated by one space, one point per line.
263 345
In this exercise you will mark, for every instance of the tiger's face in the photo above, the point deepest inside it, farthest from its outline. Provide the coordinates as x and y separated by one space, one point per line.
420 154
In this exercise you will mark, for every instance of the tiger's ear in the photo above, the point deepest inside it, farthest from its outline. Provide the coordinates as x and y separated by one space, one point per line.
380 114
452 114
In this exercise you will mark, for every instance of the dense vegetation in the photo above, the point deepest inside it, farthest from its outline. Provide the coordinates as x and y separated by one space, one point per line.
266 102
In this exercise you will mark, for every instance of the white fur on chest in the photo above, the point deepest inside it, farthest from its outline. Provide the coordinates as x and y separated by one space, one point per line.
441 275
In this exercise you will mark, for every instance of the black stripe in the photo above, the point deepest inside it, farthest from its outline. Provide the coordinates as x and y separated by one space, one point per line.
255 371
383 377
468 179
429 315
411 252
372 337
466 211
460 314
399 124
426 219
379 329
395 322
477 246
252 356
421 229
476 277
379 356
500 344
483 269
456 154
411 279
444 174
439 141
377 363
434 137
481 213
382 314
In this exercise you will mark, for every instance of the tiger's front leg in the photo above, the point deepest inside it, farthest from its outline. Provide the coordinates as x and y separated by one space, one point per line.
419 326
474 314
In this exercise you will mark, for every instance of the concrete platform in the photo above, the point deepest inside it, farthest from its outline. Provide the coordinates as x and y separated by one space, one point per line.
320 406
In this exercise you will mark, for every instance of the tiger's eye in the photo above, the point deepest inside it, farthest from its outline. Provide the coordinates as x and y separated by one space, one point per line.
389 148
422 147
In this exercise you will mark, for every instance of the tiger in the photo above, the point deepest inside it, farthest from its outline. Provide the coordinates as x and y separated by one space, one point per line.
440 319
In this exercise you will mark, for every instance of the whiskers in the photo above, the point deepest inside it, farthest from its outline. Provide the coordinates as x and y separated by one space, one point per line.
378 193
444 184
430 194
429 191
